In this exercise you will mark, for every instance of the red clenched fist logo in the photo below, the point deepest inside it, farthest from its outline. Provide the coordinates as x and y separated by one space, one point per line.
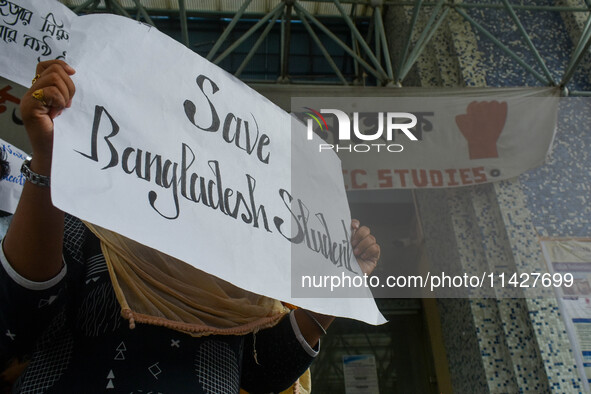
481 126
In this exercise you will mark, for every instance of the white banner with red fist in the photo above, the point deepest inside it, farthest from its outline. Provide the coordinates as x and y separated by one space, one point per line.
459 139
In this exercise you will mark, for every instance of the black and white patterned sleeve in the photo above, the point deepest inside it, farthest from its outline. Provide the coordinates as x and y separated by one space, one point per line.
26 307
274 358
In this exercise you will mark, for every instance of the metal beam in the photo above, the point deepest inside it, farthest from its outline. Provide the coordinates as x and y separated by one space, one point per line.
524 7
94 6
183 18
82 6
424 38
108 6
248 33
371 32
580 51
322 48
143 12
258 43
230 14
357 71
338 41
286 44
555 8
419 48
502 46
282 76
384 41
529 42
228 29
413 22
119 9
377 35
356 68
361 41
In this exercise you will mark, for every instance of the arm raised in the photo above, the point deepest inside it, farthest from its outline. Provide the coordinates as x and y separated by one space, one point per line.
33 243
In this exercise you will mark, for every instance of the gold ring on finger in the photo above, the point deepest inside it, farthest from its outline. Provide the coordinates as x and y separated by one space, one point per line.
37 76
39 96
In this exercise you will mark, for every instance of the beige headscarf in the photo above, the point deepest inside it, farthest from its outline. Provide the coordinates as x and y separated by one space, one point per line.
157 289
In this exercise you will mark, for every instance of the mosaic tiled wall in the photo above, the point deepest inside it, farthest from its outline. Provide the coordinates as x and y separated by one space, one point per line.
542 201
459 331
515 345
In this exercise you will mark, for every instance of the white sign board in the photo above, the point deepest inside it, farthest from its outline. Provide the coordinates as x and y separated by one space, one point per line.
361 376
30 32
11 185
569 260
166 148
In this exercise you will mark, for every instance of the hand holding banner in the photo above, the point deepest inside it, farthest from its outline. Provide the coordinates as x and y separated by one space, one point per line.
186 159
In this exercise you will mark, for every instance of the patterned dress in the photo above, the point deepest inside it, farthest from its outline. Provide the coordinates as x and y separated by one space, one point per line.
71 331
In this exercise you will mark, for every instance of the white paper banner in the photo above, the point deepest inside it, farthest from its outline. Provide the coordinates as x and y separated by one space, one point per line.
31 31
166 148
11 186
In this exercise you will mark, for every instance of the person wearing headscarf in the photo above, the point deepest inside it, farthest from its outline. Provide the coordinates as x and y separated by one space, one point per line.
91 311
